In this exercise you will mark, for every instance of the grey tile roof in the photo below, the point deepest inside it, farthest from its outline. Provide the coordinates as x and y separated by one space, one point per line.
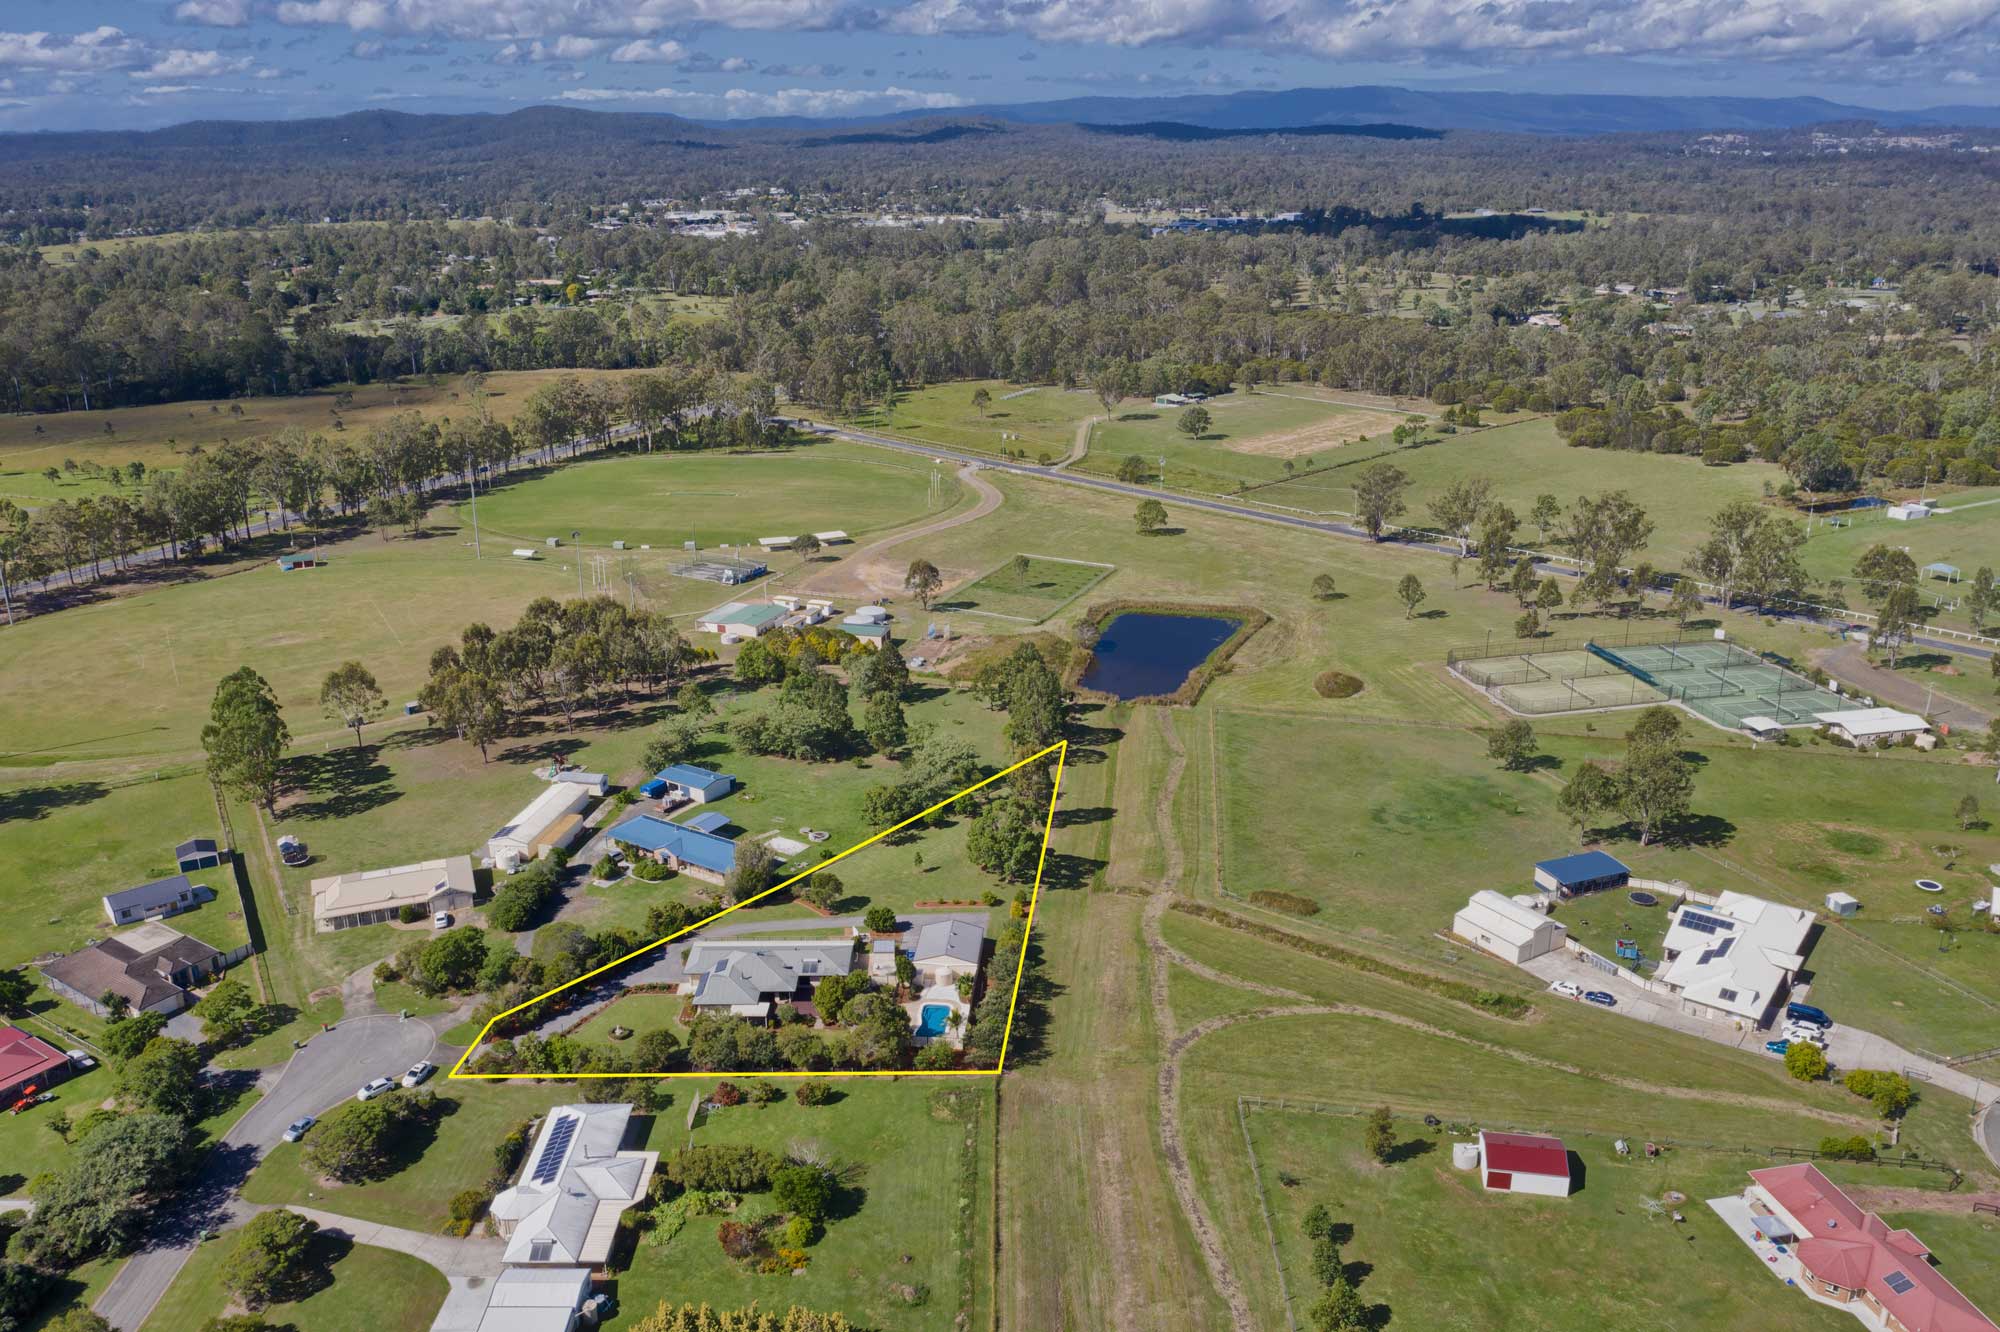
960 940
728 972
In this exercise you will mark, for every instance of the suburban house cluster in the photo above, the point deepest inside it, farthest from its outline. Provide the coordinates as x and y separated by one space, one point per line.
1730 958
737 621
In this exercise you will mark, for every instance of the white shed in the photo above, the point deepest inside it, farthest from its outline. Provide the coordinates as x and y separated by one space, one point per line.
1506 929
1873 726
1842 904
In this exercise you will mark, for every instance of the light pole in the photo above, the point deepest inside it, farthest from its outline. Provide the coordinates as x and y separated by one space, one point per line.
472 478
573 538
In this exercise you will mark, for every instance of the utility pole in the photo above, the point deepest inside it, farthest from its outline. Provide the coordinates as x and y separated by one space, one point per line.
573 536
473 480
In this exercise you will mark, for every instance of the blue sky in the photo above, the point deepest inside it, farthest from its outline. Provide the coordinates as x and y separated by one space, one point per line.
68 64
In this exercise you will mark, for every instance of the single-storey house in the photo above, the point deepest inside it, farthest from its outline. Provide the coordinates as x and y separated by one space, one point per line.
151 968
1503 927
1864 727
576 1181
1524 1163
1735 959
152 901
741 618
304 559
944 950
197 853
373 897
1584 872
677 846
1855 1257
542 825
745 977
27 1064
685 781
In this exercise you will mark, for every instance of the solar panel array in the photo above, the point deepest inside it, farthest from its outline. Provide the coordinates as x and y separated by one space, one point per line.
1899 1283
1703 923
1718 949
549 1163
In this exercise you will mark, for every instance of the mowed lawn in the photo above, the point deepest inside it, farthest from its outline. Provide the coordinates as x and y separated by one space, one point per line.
1250 439
1527 459
353 1288
915 1157
1042 419
666 499
160 436
1441 1253
1031 595
71 841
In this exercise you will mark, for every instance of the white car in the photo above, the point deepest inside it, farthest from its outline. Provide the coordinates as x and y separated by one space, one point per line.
1567 989
1805 1035
374 1089
441 921
420 1070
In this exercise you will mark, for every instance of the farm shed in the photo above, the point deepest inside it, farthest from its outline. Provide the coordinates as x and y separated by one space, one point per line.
1503 927
305 559
526 835
743 619
150 901
1864 727
686 781
197 853
1585 872
1524 1163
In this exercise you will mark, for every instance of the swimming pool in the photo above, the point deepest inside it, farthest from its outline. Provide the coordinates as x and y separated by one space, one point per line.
932 1019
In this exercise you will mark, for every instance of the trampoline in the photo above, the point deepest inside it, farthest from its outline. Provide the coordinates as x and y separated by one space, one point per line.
1930 885
1642 899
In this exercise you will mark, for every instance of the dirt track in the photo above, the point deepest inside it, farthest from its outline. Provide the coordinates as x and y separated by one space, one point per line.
867 573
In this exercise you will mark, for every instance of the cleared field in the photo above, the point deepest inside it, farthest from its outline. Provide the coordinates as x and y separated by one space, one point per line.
354 1288
1411 1221
666 499
1967 536
1527 459
1030 595
1252 438
1035 419
161 436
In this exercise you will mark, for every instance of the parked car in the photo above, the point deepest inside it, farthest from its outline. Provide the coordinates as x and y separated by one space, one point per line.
1777 1048
291 850
374 1089
79 1060
1568 989
420 1070
1808 1014
441 921
1806 1035
1600 998
297 1128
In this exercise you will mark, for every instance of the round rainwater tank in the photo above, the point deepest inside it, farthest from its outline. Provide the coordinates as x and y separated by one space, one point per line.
871 615
1465 1155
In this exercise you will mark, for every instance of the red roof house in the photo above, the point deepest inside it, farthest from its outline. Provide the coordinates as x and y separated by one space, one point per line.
27 1061
1524 1163
1853 1256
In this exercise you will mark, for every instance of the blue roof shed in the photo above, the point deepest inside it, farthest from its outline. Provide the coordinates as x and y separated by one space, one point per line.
1585 872
699 784
713 821
688 845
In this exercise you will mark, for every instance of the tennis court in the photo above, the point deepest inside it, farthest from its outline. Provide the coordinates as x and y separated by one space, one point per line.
1717 681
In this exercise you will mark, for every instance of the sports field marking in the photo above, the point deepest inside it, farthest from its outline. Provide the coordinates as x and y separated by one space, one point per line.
1060 749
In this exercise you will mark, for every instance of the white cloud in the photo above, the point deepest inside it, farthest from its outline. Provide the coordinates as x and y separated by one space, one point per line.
168 89
1962 76
268 73
538 52
185 64
500 20
100 48
738 103
214 13
736 65
643 52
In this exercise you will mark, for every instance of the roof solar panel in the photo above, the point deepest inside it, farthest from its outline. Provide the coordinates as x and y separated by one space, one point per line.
1899 1282
1702 923
550 1161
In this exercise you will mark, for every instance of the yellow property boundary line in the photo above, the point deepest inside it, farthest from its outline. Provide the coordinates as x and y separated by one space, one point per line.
1060 749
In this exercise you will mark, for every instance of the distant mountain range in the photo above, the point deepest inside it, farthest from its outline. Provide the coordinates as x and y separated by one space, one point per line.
1503 112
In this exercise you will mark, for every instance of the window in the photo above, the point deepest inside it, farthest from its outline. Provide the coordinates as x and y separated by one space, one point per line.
1727 996
541 1251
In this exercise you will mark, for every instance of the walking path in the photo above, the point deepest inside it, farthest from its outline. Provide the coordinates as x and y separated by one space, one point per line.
1080 445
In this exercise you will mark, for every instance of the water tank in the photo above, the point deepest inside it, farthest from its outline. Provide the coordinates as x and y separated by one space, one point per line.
1465 1155
870 615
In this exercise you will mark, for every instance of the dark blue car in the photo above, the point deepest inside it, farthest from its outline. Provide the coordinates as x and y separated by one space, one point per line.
1599 997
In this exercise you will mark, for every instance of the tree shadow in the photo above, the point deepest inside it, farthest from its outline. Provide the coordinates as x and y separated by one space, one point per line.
1062 869
38 802
1434 613
1076 818
315 1271
1409 1150
339 784
1164 532
848 1199
1540 763
11 1184
1922 661
1698 830
415 737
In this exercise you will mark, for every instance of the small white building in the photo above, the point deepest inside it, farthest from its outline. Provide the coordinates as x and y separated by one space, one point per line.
1873 727
1843 904
1505 928
742 619
551 819
1911 512
1524 1163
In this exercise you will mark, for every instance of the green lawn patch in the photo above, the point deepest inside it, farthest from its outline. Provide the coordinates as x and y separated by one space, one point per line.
1030 594
359 1289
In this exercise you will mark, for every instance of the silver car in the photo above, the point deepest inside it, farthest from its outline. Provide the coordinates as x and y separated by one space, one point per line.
298 1127
374 1089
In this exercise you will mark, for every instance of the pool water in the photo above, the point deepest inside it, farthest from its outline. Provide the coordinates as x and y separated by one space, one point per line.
932 1019
1143 655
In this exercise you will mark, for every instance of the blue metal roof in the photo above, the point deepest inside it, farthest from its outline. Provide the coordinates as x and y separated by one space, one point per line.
1581 867
687 774
708 822
654 788
705 850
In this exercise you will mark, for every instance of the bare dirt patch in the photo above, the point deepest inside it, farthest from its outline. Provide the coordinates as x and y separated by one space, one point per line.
1331 433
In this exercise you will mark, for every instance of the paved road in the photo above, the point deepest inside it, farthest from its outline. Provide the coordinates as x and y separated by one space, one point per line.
318 1078
1986 1131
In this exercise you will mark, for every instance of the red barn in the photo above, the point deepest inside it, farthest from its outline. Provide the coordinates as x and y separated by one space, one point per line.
1524 1163
27 1061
